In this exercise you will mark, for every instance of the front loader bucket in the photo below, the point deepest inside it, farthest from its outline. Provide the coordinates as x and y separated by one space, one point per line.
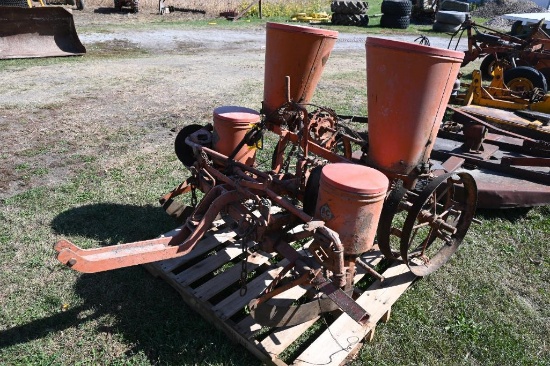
38 32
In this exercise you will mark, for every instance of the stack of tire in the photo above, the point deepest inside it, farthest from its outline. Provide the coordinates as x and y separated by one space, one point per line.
396 14
349 13
451 15
133 4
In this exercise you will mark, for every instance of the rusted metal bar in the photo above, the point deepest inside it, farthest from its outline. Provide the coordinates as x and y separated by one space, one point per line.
543 162
124 255
369 269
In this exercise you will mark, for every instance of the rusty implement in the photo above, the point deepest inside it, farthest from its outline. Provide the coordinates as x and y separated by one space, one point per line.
38 32
510 169
317 210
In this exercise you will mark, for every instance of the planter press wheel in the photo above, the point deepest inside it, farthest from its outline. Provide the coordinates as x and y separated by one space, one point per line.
437 222
183 151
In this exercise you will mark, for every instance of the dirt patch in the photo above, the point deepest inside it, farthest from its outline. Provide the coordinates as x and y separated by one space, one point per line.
129 92
132 90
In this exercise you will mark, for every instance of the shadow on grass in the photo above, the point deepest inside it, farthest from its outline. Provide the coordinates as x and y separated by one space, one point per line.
144 310
512 214
112 10
113 223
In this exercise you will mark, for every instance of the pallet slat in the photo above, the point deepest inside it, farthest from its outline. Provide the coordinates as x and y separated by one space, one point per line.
208 281
330 347
229 277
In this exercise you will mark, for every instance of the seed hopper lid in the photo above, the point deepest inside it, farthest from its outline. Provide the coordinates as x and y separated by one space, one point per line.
354 178
413 48
236 114
303 29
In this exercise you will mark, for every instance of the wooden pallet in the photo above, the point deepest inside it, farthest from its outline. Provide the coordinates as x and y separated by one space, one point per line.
208 280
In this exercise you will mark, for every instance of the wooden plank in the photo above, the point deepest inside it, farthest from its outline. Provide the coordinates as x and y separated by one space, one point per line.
280 339
248 327
230 276
205 310
235 302
214 238
333 346
209 264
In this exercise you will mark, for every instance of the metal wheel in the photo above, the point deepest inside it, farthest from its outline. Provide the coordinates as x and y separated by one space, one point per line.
387 226
437 222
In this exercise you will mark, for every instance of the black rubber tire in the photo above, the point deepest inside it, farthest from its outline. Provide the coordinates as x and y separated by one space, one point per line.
397 8
517 28
450 17
311 192
395 22
445 28
118 5
455 6
487 65
135 6
338 19
358 20
80 4
525 72
183 151
349 7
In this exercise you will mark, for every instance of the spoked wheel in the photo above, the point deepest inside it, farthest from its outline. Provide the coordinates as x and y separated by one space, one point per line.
437 222
387 233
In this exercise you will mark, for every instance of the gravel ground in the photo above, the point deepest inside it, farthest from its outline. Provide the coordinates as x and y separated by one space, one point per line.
493 10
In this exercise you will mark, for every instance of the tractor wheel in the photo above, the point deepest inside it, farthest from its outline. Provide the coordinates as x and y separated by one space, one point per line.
349 7
525 78
451 200
135 6
394 21
118 5
80 5
359 20
450 17
455 6
183 151
397 8
445 28
312 190
338 19
489 63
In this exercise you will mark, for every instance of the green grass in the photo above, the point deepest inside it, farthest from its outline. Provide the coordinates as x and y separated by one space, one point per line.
489 305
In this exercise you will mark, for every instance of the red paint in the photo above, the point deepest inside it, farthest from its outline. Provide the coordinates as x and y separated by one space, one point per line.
408 88
298 52
350 202
230 126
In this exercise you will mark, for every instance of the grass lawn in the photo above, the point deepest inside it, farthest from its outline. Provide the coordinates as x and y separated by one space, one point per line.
490 305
